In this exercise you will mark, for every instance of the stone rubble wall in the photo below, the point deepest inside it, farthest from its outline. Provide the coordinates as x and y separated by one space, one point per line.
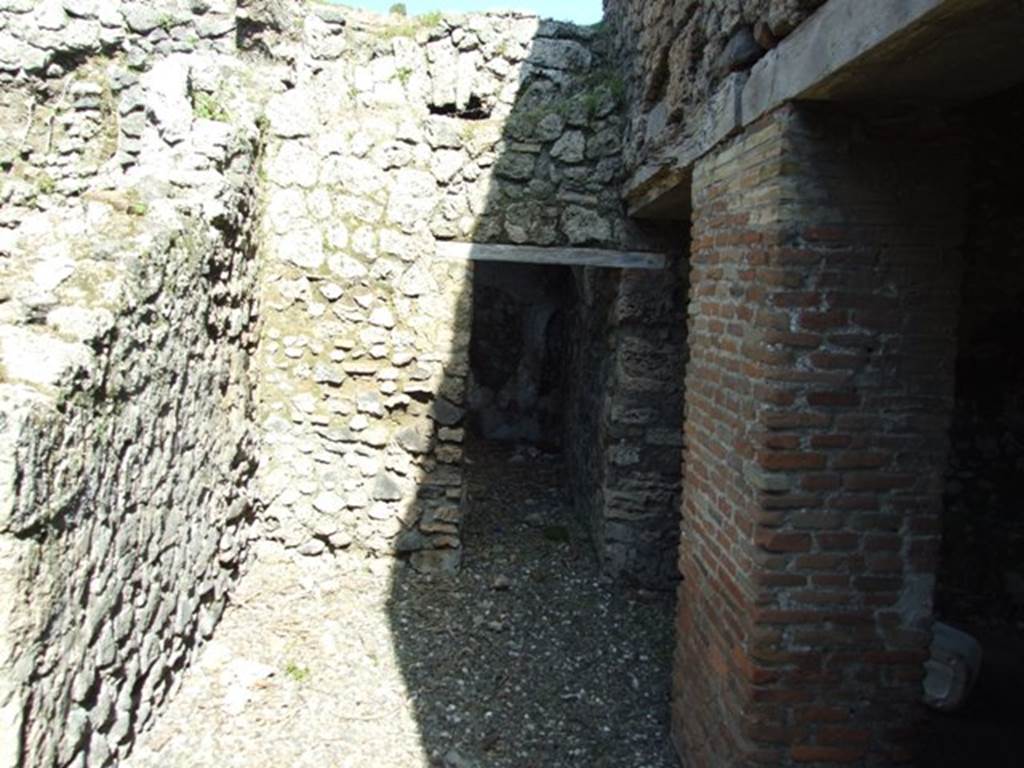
127 323
399 133
624 428
676 53
643 429
171 167
589 369
67 115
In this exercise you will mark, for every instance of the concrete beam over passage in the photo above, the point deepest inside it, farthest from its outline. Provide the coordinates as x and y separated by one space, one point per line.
931 52
570 257
937 52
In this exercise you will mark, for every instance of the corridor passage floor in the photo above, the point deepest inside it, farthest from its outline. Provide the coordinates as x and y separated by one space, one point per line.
526 658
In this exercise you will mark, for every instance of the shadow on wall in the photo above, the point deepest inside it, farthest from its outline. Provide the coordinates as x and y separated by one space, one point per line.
515 645
518 353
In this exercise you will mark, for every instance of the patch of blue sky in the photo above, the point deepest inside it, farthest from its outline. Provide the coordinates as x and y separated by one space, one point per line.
579 11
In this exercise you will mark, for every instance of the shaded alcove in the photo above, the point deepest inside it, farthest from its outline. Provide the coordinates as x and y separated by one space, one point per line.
546 661
529 653
519 353
980 586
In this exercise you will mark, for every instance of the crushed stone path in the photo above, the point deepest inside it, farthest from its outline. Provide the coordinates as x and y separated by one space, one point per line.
525 658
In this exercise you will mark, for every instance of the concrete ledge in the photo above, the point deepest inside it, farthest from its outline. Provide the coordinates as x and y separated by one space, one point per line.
662 187
833 38
852 51
571 257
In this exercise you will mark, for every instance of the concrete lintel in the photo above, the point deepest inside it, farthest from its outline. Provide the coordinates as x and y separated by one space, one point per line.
665 196
856 51
529 254
660 190
834 37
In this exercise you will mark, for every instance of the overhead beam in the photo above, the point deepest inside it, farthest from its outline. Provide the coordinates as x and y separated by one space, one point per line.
852 51
880 50
664 196
529 254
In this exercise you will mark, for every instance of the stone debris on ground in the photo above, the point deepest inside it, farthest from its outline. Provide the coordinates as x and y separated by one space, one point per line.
526 657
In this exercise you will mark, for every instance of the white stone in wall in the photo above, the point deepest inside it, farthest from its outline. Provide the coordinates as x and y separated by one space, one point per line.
35 358
294 165
443 65
585 225
329 503
364 243
82 35
80 323
318 204
50 15
446 164
412 198
285 209
331 291
291 114
356 207
167 97
15 54
323 40
355 175
443 133
303 248
467 78
417 281
559 54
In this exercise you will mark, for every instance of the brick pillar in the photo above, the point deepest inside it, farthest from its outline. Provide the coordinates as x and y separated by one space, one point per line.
823 300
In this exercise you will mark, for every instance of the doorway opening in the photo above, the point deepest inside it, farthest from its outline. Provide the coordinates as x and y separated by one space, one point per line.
980 586
518 355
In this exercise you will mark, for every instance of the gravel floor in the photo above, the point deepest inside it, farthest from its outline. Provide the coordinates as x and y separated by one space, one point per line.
525 658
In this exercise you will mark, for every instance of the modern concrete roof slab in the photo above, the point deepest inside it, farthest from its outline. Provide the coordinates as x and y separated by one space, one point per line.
862 52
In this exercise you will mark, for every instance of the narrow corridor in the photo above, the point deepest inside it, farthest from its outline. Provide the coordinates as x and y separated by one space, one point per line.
525 658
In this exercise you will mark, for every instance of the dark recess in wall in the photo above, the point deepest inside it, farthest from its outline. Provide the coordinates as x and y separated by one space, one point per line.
517 352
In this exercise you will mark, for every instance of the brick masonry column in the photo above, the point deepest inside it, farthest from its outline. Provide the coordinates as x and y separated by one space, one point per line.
824 287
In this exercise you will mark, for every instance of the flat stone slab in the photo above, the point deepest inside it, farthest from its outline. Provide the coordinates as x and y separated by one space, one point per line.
572 257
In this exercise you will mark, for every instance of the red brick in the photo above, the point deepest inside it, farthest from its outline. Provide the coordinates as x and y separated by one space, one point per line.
823 321
782 461
831 441
830 360
841 736
822 714
813 753
839 541
833 399
860 460
776 541
820 482
876 481
809 369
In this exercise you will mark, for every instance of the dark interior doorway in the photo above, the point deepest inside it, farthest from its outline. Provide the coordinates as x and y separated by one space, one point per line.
981 577
518 353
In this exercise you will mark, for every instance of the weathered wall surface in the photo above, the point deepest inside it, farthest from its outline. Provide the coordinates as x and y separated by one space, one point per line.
400 133
676 53
983 545
60 131
126 326
589 371
144 220
823 304
624 428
